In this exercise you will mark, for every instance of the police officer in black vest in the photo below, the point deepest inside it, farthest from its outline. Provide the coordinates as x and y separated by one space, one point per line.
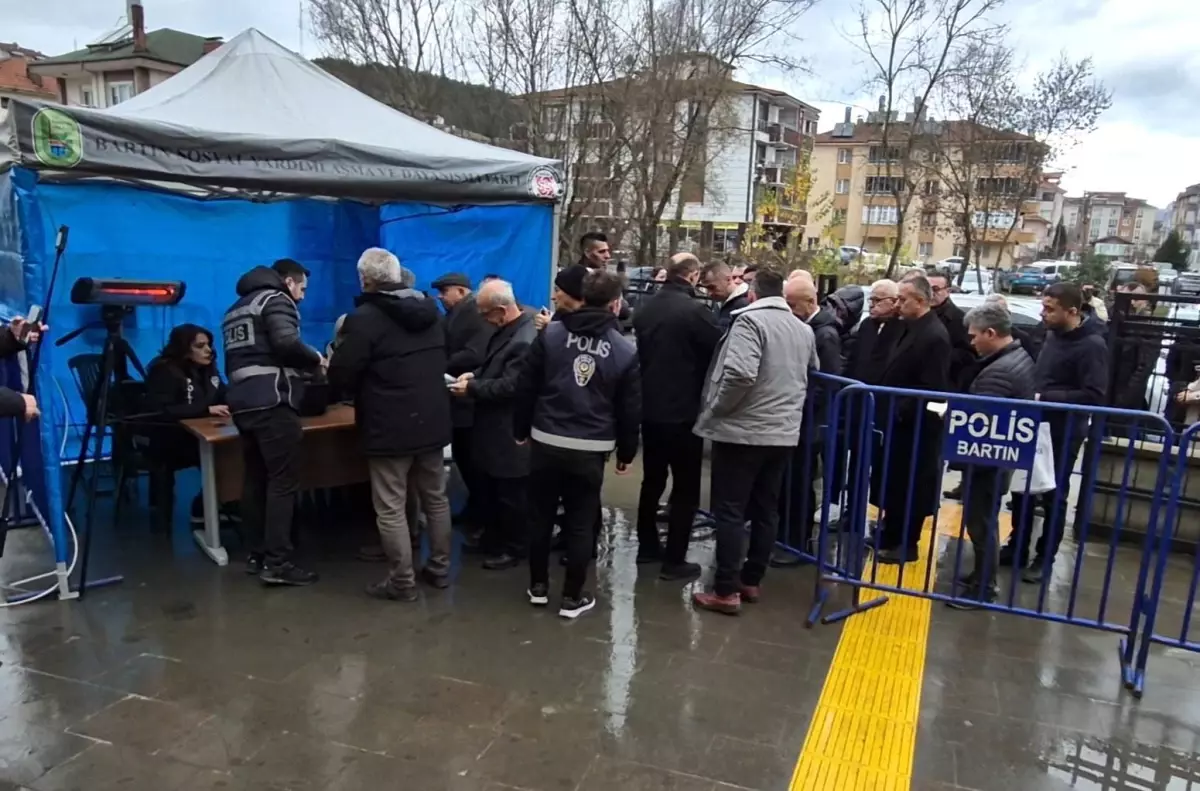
579 399
264 360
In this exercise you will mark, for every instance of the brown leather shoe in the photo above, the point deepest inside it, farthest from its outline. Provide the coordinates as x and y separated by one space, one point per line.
727 605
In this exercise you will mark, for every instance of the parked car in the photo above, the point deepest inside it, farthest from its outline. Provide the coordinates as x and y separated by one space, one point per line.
1026 313
1034 279
972 284
1188 283
951 264
1167 276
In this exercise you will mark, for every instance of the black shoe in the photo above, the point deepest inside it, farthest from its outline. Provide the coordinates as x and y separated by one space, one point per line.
439 581
967 581
1008 557
896 557
539 595
968 599
388 592
782 559
1035 574
954 494
677 572
501 562
254 564
287 574
573 608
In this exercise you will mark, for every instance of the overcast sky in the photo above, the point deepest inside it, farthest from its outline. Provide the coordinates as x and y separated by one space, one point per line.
1146 144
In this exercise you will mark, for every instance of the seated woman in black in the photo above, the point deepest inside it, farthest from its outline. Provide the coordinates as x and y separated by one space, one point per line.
182 382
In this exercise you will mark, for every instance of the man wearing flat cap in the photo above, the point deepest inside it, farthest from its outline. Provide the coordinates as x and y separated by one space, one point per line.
467 335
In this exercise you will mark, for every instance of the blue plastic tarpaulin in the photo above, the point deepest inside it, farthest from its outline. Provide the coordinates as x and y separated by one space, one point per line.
129 232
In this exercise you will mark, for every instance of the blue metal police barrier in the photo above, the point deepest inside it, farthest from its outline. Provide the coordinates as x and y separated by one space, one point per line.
1168 620
800 502
900 442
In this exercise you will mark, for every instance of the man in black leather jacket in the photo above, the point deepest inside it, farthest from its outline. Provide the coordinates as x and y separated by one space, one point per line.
265 360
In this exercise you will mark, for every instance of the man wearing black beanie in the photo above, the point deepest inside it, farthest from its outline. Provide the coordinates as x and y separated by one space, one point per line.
579 400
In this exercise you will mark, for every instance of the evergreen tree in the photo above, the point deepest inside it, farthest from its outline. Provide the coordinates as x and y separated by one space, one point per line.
1173 251
1059 243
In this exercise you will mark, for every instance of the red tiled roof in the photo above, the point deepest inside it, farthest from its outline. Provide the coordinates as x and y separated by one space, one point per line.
15 78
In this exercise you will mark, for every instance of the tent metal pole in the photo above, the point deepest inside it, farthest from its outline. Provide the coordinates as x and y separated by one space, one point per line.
554 243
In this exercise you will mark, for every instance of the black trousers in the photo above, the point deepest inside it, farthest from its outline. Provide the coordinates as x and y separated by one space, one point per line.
271 454
1054 503
802 491
673 448
982 490
746 480
504 511
574 477
460 447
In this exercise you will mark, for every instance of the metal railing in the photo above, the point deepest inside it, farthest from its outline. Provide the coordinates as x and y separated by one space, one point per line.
889 454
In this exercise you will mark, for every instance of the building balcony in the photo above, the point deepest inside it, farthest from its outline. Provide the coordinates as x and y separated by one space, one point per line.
783 135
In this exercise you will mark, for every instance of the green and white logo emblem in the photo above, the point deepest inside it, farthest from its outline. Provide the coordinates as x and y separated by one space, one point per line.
57 141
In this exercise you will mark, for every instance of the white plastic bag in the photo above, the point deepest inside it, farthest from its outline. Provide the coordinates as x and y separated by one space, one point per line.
1041 478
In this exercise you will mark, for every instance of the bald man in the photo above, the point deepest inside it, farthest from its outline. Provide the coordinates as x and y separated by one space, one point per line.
502 464
801 295
676 336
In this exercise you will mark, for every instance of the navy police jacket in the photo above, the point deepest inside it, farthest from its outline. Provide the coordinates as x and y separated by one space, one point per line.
581 386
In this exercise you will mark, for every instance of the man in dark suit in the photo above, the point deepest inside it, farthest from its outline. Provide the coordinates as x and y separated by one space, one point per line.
874 337
467 337
502 464
676 335
952 317
717 280
920 360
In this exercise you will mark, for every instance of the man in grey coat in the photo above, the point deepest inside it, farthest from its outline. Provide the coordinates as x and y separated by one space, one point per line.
750 410
1004 370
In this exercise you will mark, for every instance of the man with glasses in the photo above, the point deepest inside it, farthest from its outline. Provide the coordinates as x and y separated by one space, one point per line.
919 360
953 319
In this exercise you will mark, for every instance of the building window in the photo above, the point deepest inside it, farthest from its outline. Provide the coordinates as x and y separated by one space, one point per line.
879 215
838 217
842 187
997 219
85 97
932 188
928 219
884 185
881 154
119 92
925 249
843 156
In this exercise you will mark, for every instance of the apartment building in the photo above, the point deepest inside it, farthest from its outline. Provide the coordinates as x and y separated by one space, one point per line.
15 79
122 63
1184 220
748 164
1110 223
852 199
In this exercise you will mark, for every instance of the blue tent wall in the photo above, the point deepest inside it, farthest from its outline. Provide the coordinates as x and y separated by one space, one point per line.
119 231
511 241
122 231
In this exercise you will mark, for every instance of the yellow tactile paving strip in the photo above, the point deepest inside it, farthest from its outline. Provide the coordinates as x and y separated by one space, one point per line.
863 733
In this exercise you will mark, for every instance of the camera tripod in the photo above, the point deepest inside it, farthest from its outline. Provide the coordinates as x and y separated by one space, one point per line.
114 366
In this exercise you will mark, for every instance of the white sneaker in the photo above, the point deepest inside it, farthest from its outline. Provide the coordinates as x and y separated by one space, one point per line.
573 608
